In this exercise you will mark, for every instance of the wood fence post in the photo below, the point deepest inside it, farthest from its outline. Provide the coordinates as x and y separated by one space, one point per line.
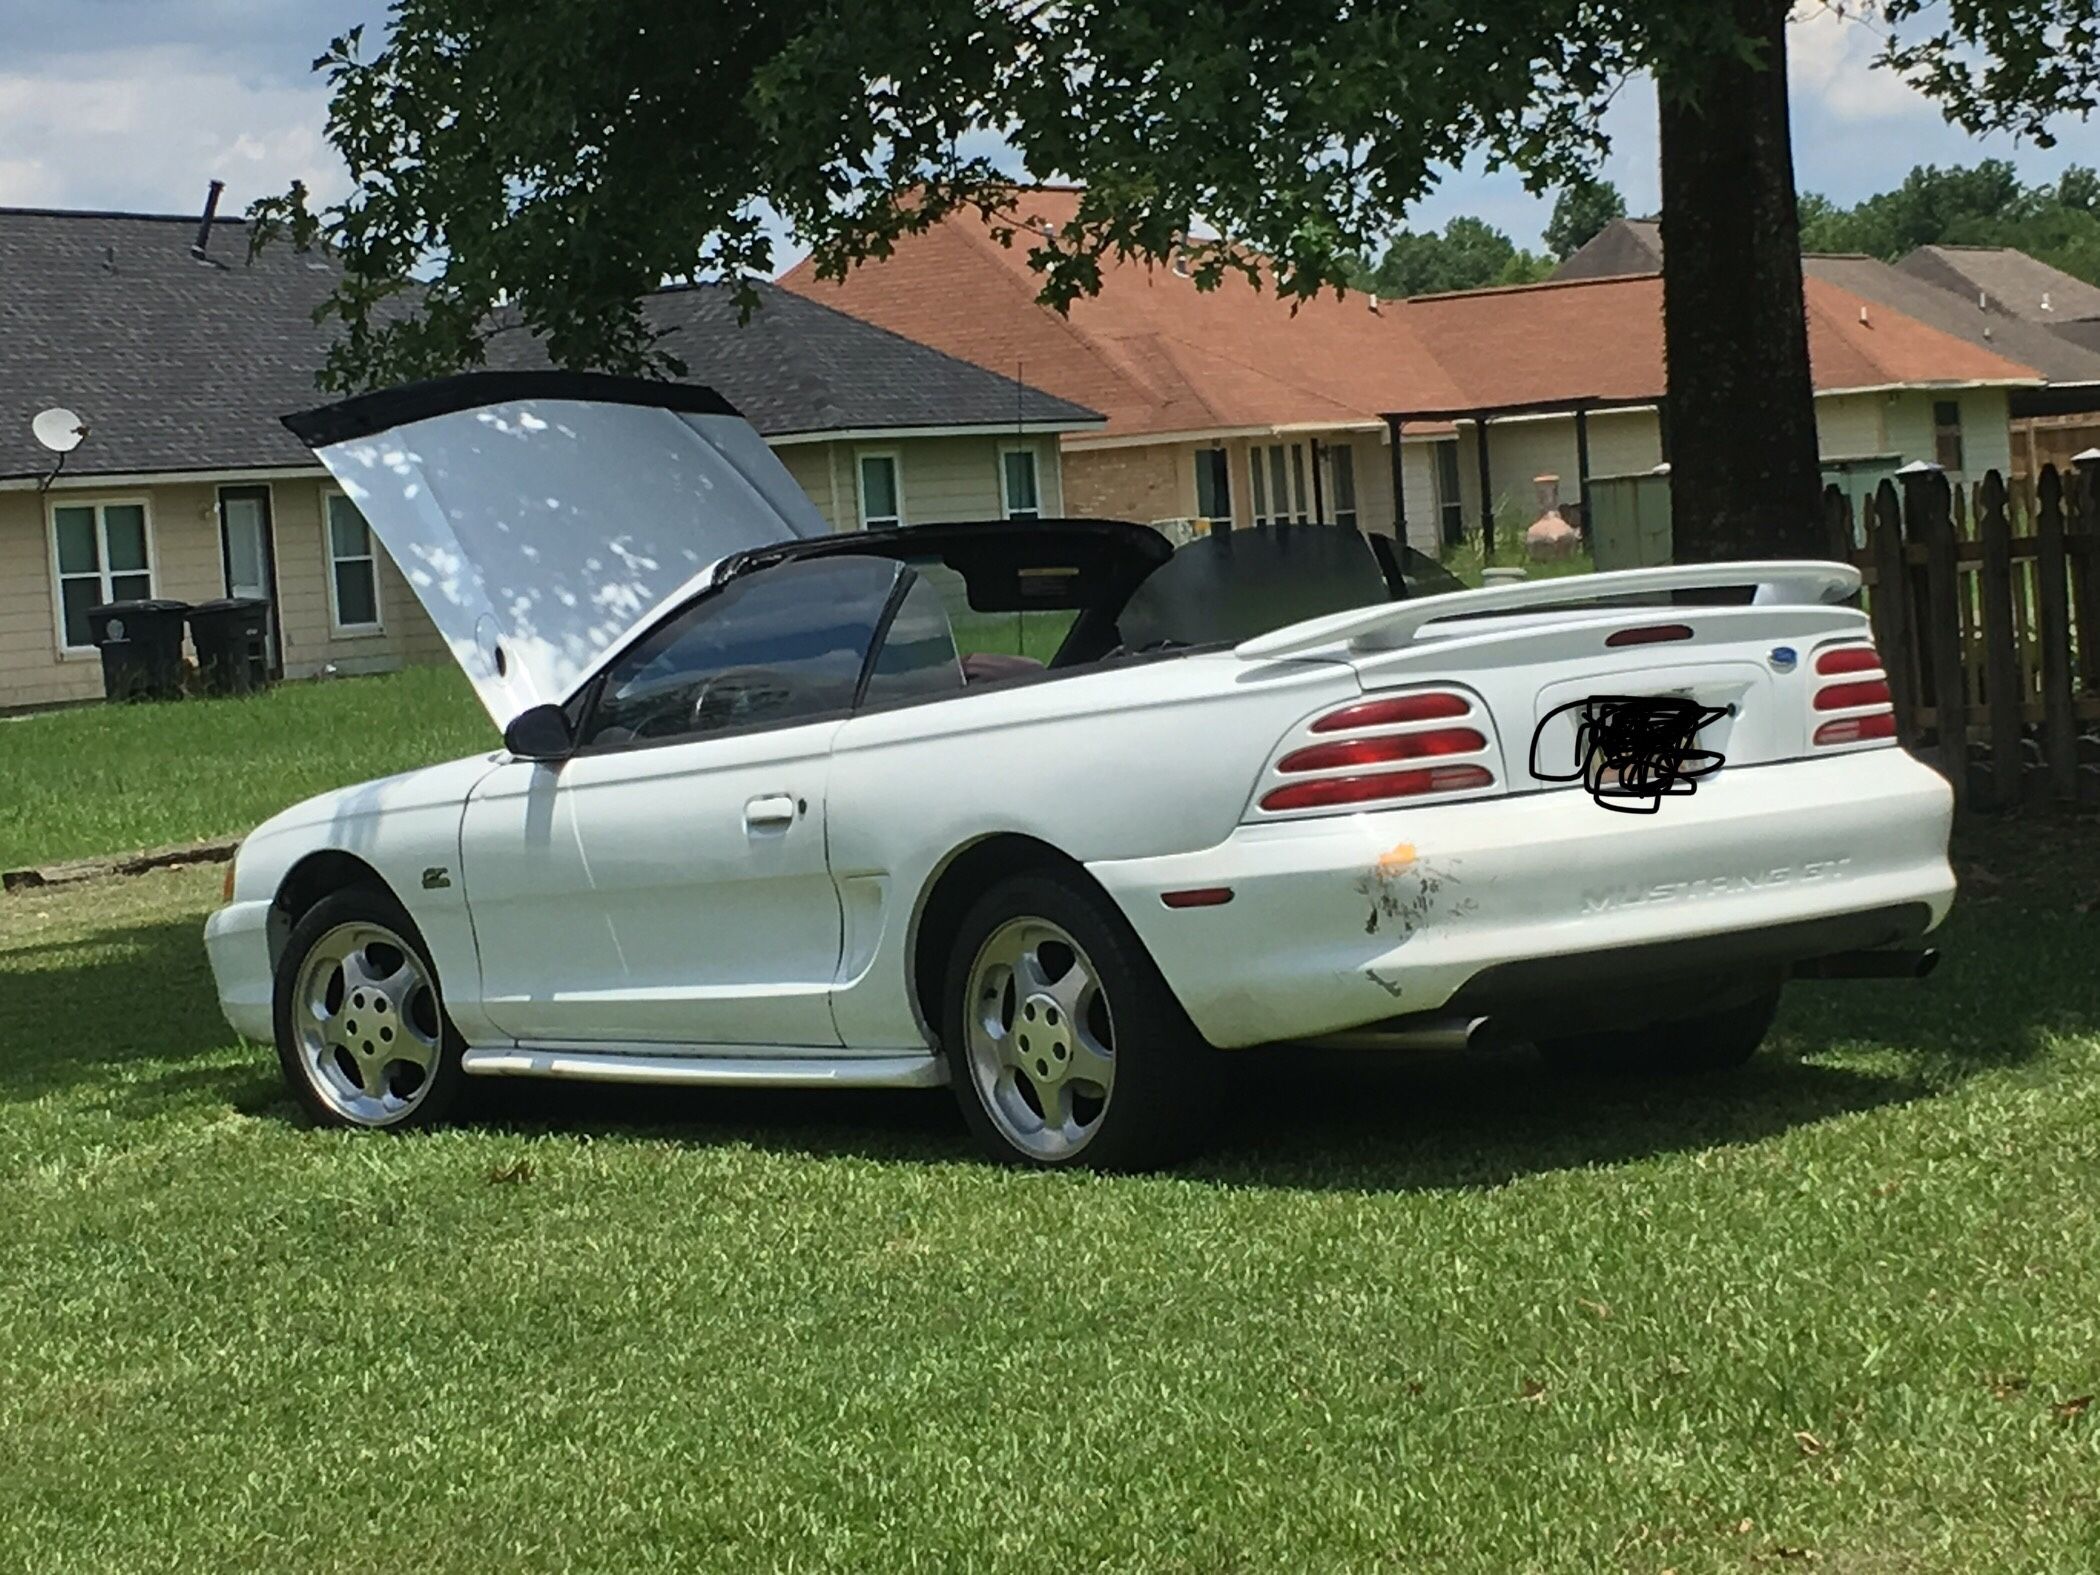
2053 598
1891 612
2001 652
1932 523
2082 530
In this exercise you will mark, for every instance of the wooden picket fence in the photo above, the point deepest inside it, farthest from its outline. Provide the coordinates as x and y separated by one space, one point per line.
1992 636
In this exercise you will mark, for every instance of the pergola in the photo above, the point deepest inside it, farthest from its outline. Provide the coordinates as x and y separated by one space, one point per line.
1579 407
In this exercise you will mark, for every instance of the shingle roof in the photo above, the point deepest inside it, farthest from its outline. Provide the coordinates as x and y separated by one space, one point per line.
1624 246
173 363
1151 351
2015 282
1570 339
1936 285
801 367
2055 354
179 365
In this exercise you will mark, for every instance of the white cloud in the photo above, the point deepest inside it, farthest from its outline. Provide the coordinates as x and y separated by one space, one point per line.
1831 50
145 128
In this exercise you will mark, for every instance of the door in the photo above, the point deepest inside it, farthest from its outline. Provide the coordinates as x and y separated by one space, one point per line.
668 884
247 551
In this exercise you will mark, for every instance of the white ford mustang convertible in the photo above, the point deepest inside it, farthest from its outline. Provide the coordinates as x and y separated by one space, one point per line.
768 811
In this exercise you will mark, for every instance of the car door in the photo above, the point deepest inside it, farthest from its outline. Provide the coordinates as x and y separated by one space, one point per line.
667 884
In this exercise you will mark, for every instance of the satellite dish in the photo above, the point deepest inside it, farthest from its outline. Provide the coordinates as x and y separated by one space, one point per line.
58 429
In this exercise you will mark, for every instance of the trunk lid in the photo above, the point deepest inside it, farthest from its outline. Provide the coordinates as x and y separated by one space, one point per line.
541 518
1531 655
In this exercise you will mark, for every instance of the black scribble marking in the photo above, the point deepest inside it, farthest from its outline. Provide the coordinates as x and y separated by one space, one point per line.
1633 751
1403 895
1391 987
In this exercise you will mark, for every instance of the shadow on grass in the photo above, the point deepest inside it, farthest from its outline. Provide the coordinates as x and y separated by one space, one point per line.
130 1005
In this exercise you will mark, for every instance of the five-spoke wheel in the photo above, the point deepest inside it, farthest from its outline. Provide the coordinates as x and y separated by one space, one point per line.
1064 1044
361 1027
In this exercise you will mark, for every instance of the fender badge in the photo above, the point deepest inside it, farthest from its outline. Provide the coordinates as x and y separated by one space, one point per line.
1783 658
436 878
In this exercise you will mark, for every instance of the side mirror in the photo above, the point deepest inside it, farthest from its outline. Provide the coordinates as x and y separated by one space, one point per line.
541 733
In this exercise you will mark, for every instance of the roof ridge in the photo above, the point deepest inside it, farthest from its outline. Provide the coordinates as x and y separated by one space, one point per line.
1061 321
863 325
1521 289
9 211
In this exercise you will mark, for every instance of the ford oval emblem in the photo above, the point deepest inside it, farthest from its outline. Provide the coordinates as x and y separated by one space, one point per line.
1783 658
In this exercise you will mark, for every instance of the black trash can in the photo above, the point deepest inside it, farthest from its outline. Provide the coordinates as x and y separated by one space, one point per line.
232 636
141 645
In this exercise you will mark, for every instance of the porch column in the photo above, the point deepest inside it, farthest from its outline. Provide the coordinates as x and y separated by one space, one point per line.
1582 467
1319 499
1392 427
1487 492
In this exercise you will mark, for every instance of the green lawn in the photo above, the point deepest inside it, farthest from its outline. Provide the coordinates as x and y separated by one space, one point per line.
111 779
1836 1313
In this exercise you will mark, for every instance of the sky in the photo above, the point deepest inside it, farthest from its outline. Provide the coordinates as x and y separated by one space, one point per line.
137 104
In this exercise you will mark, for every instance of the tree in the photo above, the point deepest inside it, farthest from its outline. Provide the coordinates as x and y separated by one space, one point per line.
1469 254
1579 212
1983 206
560 157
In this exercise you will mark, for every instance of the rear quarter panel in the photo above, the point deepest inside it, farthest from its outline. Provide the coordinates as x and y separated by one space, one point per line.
1138 762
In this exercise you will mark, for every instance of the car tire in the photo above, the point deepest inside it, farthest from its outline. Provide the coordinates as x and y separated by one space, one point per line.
1065 1046
1718 1041
362 1034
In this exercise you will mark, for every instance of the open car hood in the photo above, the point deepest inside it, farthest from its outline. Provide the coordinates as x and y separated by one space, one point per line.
541 517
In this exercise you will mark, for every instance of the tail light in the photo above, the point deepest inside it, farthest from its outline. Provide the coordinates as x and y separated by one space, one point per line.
1850 682
1382 751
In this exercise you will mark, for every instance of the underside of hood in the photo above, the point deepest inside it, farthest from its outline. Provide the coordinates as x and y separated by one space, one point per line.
541 517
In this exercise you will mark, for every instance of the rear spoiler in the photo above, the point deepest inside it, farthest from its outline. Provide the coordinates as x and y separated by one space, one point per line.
1391 625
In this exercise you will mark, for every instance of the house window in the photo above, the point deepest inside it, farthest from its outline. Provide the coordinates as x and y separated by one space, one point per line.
1018 492
102 556
1450 503
1213 486
881 495
1946 434
1341 476
353 569
1278 473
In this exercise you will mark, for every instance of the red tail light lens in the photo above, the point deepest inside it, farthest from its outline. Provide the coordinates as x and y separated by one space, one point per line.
1845 697
1393 712
1869 689
1857 729
1333 792
1849 659
1649 634
1345 753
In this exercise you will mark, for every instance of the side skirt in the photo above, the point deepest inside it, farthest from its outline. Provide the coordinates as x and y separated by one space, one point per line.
723 1066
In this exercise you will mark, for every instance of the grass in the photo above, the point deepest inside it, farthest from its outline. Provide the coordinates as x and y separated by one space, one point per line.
1835 1313
1468 560
110 779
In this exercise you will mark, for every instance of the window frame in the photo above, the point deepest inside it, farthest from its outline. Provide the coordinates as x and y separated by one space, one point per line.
1035 473
336 627
97 502
1451 511
1286 465
860 487
1218 459
1341 458
1946 432
583 706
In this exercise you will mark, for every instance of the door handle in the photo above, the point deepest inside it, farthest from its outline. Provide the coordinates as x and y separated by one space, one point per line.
768 811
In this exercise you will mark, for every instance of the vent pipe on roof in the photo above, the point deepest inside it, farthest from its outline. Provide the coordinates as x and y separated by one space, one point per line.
200 248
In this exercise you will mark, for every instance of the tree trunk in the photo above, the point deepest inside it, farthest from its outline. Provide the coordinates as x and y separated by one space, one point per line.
1744 479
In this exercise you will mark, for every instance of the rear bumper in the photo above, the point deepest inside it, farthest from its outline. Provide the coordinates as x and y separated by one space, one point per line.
237 940
1339 922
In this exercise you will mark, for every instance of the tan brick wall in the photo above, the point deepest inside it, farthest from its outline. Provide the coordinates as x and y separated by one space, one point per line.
1144 483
